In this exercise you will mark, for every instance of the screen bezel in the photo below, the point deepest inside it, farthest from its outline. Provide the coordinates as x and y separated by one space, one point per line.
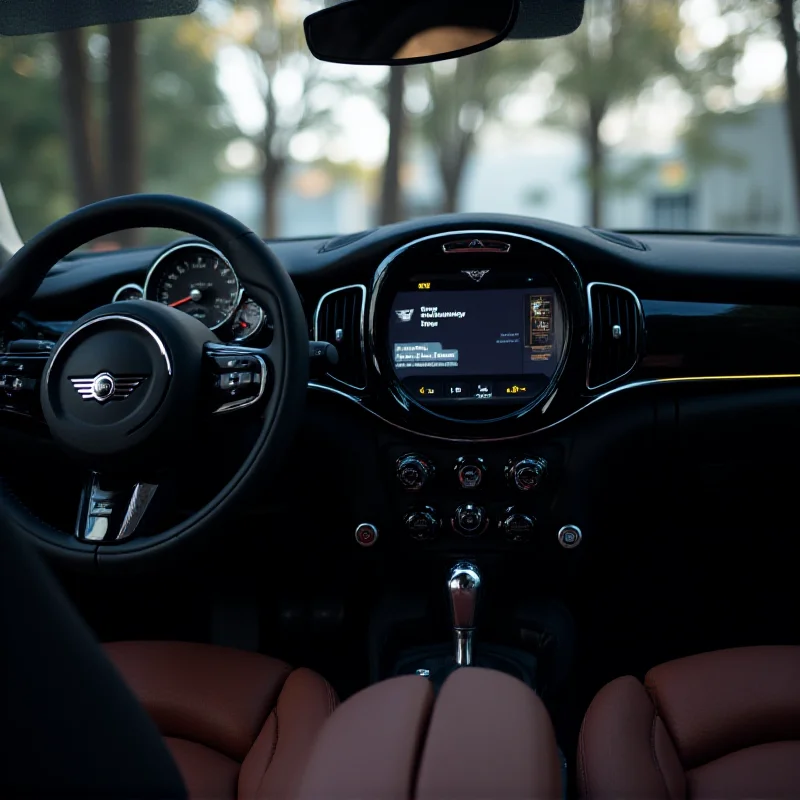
552 268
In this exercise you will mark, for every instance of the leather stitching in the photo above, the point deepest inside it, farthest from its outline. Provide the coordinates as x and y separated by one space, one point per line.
332 699
654 754
268 763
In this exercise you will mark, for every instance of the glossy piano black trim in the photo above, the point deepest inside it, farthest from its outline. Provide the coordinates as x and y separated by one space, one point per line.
692 340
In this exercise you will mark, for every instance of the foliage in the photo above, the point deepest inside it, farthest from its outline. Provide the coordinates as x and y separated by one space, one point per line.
187 123
33 164
462 95
270 33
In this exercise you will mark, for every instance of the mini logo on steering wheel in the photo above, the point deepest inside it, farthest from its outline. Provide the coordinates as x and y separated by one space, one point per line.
105 387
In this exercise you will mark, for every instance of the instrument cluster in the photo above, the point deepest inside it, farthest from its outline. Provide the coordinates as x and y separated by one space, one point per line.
197 279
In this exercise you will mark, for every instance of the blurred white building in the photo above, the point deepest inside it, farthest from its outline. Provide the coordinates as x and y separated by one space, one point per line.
540 175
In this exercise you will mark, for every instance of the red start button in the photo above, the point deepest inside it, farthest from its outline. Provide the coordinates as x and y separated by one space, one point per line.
366 534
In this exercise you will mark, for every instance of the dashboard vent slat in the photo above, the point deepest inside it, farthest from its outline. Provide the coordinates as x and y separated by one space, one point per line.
339 319
617 332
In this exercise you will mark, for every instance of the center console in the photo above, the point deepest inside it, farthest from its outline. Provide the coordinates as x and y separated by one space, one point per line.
468 344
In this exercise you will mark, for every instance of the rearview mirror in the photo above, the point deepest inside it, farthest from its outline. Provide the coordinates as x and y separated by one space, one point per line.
407 31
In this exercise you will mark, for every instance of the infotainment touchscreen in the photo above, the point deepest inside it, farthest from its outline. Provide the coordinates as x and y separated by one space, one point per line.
482 344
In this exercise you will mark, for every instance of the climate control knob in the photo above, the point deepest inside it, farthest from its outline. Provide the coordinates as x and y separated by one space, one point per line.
470 472
413 471
470 520
517 526
526 474
422 523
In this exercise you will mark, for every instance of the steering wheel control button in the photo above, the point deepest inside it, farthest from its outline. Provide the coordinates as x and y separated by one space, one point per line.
19 382
470 520
413 471
526 474
517 527
470 472
239 377
366 534
570 536
422 524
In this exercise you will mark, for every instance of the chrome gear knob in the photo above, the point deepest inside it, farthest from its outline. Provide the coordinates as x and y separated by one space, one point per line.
463 587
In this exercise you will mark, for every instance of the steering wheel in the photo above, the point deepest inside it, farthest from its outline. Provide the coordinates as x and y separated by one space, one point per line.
131 381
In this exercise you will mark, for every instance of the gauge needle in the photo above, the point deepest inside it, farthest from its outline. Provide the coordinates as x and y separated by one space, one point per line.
181 301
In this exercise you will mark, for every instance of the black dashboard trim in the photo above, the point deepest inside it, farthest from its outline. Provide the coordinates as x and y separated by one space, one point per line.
524 434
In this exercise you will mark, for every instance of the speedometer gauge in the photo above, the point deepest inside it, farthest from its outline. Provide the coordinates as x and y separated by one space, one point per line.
197 279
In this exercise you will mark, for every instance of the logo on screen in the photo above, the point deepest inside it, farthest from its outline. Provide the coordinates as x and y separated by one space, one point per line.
405 314
476 274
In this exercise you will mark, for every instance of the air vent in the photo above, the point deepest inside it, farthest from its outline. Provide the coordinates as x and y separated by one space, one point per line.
339 319
616 333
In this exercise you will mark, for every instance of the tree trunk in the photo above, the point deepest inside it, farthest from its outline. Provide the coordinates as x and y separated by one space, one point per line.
790 41
596 172
76 108
124 118
271 179
451 183
452 160
391 195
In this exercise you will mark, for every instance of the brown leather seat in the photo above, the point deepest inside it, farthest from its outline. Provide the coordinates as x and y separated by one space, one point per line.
238 724
485 735
723 724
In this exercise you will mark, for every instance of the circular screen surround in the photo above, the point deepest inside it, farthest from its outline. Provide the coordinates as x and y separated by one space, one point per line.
472 326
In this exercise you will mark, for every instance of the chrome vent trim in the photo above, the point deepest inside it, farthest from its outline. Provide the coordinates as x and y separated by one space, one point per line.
616 324
336 326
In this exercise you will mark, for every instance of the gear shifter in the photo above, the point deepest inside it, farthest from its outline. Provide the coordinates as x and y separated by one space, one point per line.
463 585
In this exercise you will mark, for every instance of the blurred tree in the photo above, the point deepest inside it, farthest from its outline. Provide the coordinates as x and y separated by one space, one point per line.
270 33
462 95
34 163
187 123
391 191
622 48
77 111
187 119
124 146
787 21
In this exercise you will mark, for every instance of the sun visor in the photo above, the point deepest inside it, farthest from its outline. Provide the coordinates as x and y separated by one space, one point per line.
22 17
545 19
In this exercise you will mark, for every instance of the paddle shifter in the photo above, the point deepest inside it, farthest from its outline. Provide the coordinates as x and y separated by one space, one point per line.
463 585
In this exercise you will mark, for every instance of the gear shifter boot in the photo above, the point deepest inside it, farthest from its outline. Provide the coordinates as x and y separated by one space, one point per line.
438 660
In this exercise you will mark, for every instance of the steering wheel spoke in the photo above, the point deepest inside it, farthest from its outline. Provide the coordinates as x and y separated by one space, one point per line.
20 379
236 377
112 509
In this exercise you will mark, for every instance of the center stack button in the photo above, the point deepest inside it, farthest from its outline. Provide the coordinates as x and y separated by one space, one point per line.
413 471
470 472
470 520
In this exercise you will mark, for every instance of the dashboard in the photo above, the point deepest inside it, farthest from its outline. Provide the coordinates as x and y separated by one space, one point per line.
481 355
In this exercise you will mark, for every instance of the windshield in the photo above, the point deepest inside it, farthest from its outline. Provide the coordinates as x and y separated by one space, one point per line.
656 114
